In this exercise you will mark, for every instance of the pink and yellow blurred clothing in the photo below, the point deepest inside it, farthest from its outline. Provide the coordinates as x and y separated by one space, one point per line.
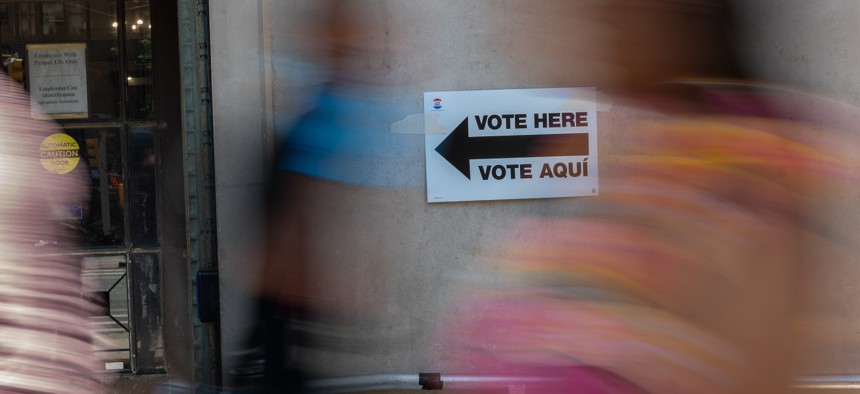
45 333
681 277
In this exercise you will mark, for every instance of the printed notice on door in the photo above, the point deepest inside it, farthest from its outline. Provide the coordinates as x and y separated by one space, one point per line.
58 80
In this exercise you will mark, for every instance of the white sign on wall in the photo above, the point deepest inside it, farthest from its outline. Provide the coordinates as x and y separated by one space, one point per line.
510 144
57 75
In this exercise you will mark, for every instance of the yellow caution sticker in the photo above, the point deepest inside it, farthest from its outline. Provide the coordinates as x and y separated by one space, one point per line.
59 153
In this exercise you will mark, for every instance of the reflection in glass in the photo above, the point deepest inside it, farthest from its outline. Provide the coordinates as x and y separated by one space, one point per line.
28 17
91 22
105 282
142 201
102 222
7 24
141 104
102 56
53 18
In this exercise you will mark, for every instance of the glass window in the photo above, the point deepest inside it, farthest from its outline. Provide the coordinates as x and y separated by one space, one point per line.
64 18
94 23
141 104
117 223
105 283
119 86
102 221
28 21
128 320
7 22
142 186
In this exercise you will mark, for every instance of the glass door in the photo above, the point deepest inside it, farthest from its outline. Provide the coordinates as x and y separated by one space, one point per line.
89 66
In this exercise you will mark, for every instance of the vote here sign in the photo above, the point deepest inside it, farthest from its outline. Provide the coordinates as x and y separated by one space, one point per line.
510 144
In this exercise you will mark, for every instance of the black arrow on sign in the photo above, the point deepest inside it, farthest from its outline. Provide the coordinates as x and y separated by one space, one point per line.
458 148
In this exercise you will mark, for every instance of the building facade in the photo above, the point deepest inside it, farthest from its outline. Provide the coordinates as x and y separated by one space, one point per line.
176 107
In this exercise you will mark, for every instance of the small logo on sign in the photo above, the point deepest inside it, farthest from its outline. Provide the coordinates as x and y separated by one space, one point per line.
437 103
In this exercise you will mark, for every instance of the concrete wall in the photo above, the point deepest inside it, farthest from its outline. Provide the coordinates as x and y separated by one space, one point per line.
422 254
807 46
812 47
242 121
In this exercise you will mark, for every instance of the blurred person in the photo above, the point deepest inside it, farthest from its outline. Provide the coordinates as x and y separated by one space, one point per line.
685 274
46 343
320 292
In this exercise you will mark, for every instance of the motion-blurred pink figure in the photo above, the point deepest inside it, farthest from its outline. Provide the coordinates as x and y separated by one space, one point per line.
685 274
45 338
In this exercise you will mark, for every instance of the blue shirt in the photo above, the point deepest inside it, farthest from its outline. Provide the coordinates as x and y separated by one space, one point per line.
347 138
